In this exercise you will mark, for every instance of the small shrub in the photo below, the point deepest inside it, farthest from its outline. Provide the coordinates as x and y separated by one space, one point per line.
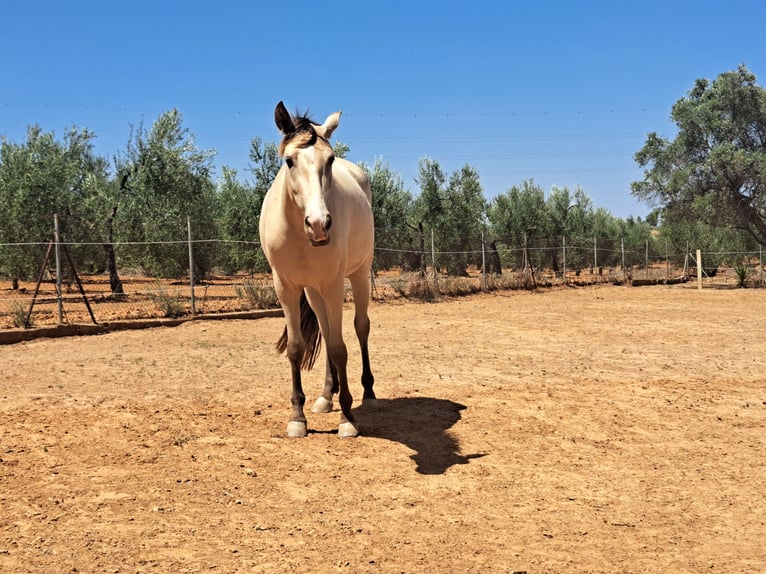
422 289
457 286
257 294
399 286
510 281
19 315
742 272
171 306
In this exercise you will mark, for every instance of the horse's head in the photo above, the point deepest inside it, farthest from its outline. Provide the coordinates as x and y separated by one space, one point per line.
308 159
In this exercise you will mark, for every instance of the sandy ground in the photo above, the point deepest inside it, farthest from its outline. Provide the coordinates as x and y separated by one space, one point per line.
602 429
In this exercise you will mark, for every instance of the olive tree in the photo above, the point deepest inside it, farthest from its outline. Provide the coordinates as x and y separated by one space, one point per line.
714 170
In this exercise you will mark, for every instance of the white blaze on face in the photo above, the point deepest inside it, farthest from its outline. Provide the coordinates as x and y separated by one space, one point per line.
317 216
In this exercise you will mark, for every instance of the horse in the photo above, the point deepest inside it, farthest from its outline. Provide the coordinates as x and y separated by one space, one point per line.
316 230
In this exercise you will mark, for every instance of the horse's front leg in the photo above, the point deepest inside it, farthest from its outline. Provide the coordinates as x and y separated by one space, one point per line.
297 425
330 315
324 403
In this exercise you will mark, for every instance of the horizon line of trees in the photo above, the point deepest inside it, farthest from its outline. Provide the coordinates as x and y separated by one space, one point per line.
708 185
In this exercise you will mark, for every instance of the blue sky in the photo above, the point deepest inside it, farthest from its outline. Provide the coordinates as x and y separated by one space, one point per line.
560 91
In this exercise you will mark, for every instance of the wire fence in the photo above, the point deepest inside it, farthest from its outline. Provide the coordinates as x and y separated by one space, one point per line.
64 293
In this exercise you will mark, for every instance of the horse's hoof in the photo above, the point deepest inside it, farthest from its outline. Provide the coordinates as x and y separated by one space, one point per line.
347 430
322 405
296 429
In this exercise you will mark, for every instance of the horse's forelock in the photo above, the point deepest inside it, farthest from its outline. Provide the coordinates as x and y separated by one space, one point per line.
305 134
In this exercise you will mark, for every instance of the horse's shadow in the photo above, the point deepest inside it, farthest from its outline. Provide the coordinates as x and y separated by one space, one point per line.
420 423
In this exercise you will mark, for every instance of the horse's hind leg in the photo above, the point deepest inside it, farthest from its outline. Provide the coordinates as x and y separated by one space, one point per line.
360 285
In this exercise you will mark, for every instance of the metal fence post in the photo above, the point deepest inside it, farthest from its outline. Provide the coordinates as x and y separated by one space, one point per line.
564 252
483 264
191 266
57 251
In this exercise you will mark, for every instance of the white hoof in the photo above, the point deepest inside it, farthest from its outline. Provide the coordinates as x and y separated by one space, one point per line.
322 405
347 430
296 429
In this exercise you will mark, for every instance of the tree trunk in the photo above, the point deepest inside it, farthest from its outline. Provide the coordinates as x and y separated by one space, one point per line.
111 260
422 234
494 259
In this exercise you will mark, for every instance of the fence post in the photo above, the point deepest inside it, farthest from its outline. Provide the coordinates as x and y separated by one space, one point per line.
191 265
646 259
483 264
57 251
524 267
667 260
699 269
433 262
564 250
595 256
622 255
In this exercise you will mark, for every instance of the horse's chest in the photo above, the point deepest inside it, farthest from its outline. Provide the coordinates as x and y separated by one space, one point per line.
306 266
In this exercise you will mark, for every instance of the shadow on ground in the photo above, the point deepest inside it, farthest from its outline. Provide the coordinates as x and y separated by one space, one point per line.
420 423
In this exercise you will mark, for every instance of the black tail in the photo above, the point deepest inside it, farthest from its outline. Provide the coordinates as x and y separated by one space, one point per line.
310 332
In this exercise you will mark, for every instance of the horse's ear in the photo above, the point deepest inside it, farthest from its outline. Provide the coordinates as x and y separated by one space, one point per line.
283 119
329 125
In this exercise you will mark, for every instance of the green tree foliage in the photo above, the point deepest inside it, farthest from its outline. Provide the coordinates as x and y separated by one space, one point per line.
714 170
454 210
523 217
237 223
240 209
38 178
392 205
570 219
518 218
720 244
264 165
708 184
164 179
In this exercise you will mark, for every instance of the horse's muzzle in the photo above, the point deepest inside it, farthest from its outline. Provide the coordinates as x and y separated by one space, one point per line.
317 231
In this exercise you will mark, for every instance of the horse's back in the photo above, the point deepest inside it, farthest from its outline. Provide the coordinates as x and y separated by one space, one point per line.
358 175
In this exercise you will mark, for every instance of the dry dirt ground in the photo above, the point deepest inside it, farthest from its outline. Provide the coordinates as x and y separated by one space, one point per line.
602 429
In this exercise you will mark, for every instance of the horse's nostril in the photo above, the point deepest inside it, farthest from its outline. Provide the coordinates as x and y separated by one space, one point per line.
328 223
306 221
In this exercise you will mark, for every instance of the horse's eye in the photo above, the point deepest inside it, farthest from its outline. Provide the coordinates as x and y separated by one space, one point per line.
289 162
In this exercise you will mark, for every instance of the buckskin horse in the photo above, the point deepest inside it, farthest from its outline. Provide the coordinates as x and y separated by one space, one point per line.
317 229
